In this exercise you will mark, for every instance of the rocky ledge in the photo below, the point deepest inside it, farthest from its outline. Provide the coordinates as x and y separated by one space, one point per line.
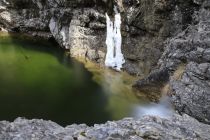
148 127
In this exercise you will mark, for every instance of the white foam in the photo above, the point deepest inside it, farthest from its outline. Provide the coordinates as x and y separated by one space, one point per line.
109 60
114 57
119 59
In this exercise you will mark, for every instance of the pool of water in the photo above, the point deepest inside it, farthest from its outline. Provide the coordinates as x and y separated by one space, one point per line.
38 80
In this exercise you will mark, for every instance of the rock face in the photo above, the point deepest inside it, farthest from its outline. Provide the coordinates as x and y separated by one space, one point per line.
191 94
190 91
168 39
79 25
148 127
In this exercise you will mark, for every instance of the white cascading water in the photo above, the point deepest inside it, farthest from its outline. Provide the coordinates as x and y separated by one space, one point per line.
114 57
109 60
119 59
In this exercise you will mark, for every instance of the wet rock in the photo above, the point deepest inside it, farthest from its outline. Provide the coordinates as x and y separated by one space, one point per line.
148 127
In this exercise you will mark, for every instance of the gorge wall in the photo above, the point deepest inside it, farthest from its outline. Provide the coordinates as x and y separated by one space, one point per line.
167 40
185 67
80 25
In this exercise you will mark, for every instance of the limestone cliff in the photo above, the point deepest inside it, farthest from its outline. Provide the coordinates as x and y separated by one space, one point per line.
167 40
79 25
187 54
146 128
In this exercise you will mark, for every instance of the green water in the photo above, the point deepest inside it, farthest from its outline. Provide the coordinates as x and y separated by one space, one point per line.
40 81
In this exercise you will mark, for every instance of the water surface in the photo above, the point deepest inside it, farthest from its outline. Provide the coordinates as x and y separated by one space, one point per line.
38 80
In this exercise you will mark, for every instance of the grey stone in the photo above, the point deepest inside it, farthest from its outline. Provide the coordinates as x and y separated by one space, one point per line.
191 94
190 91
147 127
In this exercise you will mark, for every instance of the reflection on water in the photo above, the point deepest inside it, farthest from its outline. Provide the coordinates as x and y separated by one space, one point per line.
40 81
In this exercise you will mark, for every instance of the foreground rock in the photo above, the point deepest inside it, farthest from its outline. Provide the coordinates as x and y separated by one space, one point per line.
148 127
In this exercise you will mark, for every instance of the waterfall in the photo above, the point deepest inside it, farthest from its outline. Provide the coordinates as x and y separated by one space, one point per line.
119 59
114 57
109 60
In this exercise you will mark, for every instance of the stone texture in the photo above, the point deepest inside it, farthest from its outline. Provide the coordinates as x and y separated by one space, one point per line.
148 127
191 91
191 94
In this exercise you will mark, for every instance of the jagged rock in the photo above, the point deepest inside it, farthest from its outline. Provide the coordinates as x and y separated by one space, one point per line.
152 85
148 127
191 94
191 91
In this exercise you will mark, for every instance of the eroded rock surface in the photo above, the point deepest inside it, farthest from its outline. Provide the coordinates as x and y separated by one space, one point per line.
148 127
191 94
191 91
